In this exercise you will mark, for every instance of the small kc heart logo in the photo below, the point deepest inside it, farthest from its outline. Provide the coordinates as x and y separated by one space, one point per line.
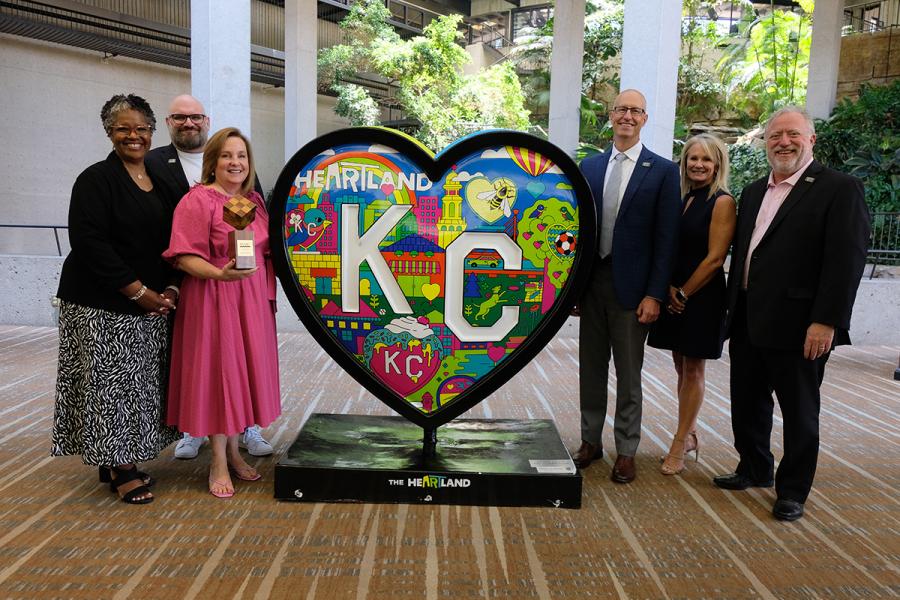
431 279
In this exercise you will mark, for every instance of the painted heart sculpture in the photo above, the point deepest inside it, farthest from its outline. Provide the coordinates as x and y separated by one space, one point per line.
431 279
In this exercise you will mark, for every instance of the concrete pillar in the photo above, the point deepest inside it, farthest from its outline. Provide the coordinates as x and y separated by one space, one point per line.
824 57
300 96
565 74
220 61
651 45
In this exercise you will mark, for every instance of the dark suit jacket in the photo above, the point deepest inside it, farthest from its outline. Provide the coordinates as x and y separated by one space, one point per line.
118 233
807 267
646 230
165 166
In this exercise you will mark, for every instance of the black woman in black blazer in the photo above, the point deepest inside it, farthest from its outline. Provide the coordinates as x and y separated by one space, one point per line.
113 335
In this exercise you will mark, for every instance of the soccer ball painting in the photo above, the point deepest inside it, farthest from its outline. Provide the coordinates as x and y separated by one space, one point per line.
565 243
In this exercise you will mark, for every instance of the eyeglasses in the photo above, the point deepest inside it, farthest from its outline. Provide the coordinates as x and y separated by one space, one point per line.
623 110
178 119
140 130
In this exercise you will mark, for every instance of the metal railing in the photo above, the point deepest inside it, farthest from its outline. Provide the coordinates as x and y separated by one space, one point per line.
490 34
54 228
117 34
853 24
884 245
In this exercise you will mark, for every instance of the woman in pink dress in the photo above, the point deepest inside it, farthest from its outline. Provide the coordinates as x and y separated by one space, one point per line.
224 374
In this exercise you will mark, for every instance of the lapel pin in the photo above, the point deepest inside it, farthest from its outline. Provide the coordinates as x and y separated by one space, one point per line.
646 163
171 160
809 179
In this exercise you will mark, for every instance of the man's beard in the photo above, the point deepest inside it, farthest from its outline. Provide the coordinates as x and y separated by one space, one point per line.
189 139
790 166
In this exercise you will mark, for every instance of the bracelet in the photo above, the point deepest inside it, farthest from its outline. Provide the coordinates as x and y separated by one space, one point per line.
140 293
681 296
175 289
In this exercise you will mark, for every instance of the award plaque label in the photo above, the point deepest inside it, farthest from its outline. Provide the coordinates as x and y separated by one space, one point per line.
239 212
432 279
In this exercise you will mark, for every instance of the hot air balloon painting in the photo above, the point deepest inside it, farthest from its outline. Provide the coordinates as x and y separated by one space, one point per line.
529 161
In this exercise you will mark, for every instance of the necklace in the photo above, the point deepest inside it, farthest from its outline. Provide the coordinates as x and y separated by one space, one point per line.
139 176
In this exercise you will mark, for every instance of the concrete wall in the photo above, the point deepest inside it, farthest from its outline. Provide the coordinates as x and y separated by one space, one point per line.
873 58
50 102
480 7
32 280
483 57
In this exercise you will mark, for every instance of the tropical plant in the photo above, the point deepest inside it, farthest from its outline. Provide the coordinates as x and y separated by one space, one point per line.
603 27
768 68
427 72
862 137
700 93
748 163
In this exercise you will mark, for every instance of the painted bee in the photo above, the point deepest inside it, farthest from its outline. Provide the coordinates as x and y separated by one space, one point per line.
502 196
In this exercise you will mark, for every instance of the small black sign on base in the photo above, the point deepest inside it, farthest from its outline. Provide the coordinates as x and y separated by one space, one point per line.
487 462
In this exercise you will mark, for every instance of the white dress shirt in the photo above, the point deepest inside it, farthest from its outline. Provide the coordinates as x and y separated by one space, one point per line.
628 164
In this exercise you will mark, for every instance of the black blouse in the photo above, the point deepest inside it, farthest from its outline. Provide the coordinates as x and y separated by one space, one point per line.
118 233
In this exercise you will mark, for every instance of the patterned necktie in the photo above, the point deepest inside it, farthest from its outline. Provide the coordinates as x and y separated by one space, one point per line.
610 205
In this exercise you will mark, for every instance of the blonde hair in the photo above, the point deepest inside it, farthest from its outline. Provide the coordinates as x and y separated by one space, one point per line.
214 149
715 148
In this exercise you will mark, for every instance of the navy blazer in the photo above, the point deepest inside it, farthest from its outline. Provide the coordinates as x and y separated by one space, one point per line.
807 267
646 230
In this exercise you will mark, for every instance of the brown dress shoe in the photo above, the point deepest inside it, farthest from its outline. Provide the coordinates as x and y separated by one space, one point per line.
624 470
586 454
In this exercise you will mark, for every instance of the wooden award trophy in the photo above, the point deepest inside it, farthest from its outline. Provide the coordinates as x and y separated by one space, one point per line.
239 212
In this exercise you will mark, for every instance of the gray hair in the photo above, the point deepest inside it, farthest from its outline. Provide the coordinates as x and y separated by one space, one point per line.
793 109
120 102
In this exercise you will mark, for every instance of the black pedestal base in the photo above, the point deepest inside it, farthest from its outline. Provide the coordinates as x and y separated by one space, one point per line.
490 462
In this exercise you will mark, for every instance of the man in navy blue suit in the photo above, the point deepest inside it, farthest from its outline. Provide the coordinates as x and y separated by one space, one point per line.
638 202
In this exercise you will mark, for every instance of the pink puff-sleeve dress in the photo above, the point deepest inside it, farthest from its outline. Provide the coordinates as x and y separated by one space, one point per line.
224 373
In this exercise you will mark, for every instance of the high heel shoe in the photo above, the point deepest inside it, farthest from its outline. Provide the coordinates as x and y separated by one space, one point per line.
673 464
692 447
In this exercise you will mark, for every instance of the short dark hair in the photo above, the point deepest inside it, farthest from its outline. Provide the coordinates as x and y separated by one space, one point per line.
121 102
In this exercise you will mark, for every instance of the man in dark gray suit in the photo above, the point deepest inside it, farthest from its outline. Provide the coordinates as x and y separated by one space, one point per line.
176 168
799 253
637 196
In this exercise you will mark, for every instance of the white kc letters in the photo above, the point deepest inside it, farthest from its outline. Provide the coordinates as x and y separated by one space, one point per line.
356 249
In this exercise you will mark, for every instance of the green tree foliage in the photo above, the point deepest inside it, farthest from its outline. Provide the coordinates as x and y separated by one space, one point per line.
747 164
427 71
862 137
603 27
700 92
768 69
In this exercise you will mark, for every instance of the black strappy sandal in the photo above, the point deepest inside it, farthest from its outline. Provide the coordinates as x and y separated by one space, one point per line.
106 477
124 476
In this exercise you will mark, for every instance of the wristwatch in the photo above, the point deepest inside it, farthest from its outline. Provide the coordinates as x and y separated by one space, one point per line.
681 296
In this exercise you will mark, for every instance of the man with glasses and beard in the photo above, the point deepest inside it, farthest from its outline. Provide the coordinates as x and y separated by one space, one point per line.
799 253
177 167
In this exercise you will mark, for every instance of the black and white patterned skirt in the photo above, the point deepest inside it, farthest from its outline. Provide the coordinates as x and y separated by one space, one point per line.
110 387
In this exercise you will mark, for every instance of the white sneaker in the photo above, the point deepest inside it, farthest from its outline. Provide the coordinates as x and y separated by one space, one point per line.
188 447
253 442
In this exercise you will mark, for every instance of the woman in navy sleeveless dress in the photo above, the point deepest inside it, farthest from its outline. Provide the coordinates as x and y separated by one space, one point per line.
692 324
